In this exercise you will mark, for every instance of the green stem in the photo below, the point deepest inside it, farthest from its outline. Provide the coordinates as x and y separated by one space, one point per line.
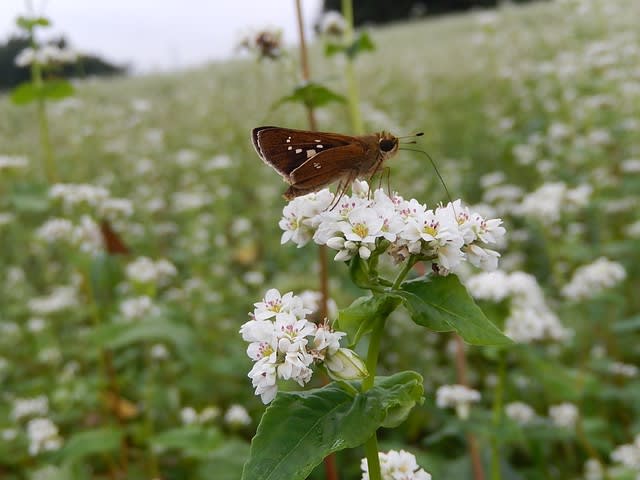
371 445
498 401
404 272
353 91
43 123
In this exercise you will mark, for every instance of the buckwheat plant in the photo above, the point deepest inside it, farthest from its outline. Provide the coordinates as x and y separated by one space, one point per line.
380 238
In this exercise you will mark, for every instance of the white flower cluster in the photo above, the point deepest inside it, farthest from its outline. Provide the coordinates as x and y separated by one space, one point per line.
459 397
332 23
358 225
61 298
593 470
284 344
85 235
8 162
548 202
137 308
590 280
564 415
144 270
237 416
628 455
396 465
43 436
45 55
530 319
96 197
26 407
623 369
190 416
520 412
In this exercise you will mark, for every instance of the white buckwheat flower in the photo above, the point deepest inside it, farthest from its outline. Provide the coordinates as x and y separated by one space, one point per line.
43 436
590 280
144 270
284 344
520 412
396 465
628 454
459 397
26 407
237 416
564 415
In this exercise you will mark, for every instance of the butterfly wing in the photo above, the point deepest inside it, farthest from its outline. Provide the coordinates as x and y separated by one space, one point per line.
286 149
327 167
112 241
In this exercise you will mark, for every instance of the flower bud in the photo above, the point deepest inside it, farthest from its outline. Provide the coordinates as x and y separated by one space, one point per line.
345 364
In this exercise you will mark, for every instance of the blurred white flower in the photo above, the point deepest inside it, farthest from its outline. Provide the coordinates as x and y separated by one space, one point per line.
43 436
72 194
61 298
332 23
592 279
628 455
459 397
564 415
138 308
520 412
145 271
237 416
593 470
27 407
8 162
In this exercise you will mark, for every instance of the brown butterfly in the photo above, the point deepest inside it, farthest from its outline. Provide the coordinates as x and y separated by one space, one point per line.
113 243
309 161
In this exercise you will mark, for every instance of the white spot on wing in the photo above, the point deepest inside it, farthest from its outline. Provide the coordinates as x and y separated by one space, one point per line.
298 150
310 153
289 140
320 146
290 147
317 165
317 141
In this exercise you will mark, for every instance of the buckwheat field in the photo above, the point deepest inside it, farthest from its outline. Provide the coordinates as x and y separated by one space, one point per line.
135 240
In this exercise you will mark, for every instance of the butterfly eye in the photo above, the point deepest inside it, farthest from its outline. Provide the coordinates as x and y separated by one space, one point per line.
387 145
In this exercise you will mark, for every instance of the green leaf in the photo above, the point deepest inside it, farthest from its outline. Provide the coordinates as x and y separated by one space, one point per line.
193 441
436 302
360 317
57 89
28 23
299 429
93 442
226 462
361 44
114 336
311 95
30 197
627 325
52 90
104 274
332 48
24 93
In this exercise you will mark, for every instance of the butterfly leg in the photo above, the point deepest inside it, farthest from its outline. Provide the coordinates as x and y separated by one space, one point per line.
344 184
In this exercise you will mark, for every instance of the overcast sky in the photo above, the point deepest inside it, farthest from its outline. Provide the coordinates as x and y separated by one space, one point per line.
160 34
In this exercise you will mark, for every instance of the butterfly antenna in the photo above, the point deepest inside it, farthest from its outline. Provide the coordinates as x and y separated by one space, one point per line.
433 164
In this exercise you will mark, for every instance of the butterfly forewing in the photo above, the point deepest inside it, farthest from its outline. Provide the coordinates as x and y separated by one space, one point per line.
286 149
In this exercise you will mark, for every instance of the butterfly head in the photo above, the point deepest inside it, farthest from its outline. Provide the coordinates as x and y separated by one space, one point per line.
387 144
